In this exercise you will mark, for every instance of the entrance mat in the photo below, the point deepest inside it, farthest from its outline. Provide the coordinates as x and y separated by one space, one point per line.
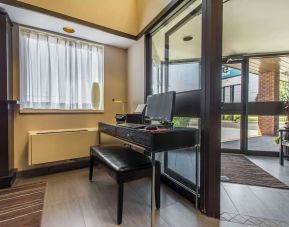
238 169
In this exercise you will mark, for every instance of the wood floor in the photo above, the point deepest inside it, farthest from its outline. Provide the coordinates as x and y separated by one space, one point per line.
71 200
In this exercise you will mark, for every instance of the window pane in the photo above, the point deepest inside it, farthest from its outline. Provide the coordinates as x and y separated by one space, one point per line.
230 131
237 93
231 83
181 164
227 94
262 131
184 77
176 53
176 58
59 73
268 79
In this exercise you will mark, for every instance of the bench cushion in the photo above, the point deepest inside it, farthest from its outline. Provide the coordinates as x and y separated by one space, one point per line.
121 159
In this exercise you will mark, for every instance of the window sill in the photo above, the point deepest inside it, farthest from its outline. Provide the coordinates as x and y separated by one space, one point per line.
49 111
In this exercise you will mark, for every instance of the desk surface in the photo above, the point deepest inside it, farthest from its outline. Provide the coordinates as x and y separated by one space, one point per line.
153 140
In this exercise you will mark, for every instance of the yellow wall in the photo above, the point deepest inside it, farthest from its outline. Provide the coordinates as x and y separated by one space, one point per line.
135 74
129 16
120 15
115 87
147 10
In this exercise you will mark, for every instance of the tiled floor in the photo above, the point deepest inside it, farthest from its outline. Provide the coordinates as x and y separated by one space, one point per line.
268 204
71 200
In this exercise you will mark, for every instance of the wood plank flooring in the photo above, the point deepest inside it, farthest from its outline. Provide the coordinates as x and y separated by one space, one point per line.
71 200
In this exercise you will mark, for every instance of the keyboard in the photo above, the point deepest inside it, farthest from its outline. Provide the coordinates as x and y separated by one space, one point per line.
132 125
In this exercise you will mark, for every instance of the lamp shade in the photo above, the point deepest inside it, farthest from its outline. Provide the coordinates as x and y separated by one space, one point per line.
95 95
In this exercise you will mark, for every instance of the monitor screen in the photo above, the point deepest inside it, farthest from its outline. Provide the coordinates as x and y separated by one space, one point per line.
160 107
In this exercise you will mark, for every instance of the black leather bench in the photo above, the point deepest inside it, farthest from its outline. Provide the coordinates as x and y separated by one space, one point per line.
124 164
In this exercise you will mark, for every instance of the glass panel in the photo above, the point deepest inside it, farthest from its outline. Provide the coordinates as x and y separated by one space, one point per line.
176 53
227 93
230 131
262 132
231 83
181 164
157 79
237 93
188 73
269 79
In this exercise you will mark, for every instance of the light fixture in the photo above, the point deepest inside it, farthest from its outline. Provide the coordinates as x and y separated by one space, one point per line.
121 102
68 29
187 38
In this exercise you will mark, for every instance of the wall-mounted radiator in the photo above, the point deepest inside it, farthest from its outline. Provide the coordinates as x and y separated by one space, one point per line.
59 145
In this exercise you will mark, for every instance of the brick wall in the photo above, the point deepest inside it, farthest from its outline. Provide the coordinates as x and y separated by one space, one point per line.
268 91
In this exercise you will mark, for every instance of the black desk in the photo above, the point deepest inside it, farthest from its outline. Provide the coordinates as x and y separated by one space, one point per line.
153 142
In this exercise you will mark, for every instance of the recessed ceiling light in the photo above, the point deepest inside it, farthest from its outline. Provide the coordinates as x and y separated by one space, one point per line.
187 38
68 29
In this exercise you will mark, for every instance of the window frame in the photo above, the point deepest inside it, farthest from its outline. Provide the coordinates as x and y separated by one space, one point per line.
69 38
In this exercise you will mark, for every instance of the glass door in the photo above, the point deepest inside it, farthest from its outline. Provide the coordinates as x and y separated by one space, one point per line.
176 53
267 91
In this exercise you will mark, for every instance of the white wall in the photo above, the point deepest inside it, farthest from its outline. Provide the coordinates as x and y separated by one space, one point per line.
136 77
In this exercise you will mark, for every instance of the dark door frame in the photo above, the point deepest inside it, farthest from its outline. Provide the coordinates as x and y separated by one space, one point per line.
210 96
246 108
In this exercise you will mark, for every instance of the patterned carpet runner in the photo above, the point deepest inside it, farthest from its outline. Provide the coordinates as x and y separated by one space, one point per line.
238 169
22 205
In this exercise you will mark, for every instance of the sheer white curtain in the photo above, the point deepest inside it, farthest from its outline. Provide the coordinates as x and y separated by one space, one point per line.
57 72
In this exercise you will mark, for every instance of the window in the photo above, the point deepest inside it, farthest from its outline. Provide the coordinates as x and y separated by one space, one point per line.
58 73
188 73
269 79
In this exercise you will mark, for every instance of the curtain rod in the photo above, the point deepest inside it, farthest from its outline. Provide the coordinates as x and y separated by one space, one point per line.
58 35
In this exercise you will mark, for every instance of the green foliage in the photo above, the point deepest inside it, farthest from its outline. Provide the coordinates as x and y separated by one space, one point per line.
181 121
226 117
284 91
236 117
277 139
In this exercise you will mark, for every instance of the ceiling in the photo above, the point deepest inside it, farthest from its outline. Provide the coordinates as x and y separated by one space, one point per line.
249 26
46 22
278 64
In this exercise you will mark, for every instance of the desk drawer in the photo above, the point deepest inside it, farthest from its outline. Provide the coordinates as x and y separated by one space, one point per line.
108 129
138 137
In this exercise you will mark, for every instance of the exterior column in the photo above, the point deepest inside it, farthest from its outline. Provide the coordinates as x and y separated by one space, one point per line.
268 92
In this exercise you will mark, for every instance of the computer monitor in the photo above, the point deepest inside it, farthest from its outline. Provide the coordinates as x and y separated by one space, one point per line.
160 107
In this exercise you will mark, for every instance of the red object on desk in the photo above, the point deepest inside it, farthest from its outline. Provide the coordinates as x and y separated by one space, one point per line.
158 129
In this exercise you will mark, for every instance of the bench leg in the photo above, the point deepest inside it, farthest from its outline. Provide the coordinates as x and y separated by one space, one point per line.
91 164
158 185
119 203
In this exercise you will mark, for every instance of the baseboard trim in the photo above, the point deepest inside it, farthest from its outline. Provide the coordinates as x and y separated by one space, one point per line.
54 168
7 181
